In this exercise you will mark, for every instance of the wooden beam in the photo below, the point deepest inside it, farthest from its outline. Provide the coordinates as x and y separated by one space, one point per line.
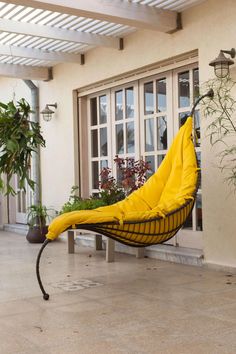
116 11
21 52
32 29
26 72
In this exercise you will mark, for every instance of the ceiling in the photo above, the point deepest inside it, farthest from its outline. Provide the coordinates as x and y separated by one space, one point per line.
36 35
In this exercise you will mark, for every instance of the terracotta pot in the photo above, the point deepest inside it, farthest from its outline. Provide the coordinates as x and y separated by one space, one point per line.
37 234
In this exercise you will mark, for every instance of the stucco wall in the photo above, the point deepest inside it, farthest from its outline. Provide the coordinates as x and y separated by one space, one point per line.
208 27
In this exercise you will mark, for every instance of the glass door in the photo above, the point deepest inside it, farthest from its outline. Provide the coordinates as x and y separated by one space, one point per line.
22 203
186 82
156 116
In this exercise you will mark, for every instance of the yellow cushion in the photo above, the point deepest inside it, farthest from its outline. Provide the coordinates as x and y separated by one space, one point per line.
170 187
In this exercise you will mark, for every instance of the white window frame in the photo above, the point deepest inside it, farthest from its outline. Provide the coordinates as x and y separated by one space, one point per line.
183 237
94 127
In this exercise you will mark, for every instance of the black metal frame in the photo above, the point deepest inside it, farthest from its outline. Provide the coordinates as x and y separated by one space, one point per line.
100 227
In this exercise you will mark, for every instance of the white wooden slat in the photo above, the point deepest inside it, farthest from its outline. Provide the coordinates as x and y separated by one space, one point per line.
38 54
57 33
25 72
115 11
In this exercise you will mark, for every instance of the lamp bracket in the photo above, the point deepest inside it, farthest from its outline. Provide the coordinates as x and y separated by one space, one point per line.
52 105
231 52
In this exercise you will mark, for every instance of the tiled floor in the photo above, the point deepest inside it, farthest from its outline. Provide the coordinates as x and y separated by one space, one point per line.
132 306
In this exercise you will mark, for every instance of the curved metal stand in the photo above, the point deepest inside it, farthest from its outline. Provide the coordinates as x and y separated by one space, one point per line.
45 295
209 94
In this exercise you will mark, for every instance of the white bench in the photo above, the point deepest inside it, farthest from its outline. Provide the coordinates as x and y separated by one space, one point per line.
110 245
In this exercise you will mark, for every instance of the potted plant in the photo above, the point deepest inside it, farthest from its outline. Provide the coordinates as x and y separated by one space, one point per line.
19 138
37 218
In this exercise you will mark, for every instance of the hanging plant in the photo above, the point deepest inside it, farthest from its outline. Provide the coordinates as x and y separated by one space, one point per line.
221 109
19 138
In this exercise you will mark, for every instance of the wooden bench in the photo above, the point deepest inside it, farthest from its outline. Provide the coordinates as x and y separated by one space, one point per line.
110 246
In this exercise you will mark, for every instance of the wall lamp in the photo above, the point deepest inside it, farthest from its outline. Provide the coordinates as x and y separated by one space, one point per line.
47 112
221 63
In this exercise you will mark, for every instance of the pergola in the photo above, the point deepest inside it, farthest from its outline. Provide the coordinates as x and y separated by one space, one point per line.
35 35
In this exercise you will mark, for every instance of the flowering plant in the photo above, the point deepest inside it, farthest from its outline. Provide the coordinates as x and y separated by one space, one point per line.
131 175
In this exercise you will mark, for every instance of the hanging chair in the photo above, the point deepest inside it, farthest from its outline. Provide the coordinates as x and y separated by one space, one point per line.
150 215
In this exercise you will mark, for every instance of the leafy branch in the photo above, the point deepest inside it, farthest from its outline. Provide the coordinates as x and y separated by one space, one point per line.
222 129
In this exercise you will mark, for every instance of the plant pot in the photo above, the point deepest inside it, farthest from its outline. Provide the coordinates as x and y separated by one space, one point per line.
37 234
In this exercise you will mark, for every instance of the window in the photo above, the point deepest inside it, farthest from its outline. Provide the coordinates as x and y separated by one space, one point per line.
98 134
140 120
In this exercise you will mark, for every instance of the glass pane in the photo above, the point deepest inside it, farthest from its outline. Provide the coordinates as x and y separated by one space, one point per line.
151 162
199 212
182 118
93 109
161 95
94 143
184 89
103 164
148 98
189 222
130 137
199 164
197 127
103 142
195 84
19 202
95 177
129 102
23 202
119 139
149 134
119 177
161 133
119 105
160 158
103 109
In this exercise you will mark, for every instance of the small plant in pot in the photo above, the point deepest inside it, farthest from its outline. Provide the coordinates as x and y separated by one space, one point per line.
37 220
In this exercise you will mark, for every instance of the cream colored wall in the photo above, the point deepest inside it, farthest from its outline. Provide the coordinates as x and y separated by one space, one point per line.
208 28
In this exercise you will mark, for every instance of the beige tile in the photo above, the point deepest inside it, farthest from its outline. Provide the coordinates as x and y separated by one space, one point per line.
144 306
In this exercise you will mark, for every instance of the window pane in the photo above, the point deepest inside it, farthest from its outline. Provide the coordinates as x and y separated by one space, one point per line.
161 133
149 134
199 165
184 89
94 143
130 137
161 95
129 101
95 177
23 202
199 212
197 127
195 84
182 118
103 142
148 98
103 109
119 139
93 109
160 158
151 162
103 164
189 222
119 105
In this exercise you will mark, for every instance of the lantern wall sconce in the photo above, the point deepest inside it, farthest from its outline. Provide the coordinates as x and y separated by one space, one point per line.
47 112
221 64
